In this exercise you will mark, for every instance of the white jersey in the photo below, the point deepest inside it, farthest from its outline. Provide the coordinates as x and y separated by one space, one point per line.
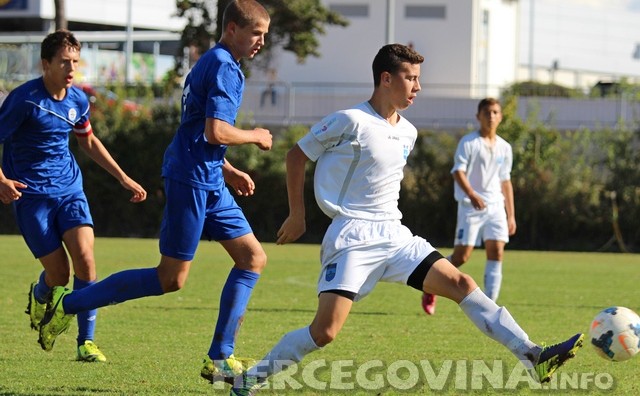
360 160
486 167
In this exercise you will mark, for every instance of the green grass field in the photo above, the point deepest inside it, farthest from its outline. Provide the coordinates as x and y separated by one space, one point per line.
155 345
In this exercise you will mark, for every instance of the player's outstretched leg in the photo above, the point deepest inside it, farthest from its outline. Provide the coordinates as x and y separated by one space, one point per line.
554 356
225 369
55 320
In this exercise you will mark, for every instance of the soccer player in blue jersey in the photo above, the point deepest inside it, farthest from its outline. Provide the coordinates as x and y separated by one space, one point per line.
41 179
198 201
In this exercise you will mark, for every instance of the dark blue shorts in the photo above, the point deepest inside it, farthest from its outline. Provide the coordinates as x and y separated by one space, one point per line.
191 213
43 221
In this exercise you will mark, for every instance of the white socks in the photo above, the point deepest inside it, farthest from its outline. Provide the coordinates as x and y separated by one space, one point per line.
492 279
292 348
497 323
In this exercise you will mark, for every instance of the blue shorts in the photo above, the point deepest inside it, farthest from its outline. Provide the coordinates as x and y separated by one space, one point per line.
43 221
191 213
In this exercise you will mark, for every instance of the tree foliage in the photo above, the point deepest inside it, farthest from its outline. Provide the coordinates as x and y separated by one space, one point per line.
295 25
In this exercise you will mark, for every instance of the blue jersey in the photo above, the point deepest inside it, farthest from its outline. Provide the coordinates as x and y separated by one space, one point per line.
35 128
213 89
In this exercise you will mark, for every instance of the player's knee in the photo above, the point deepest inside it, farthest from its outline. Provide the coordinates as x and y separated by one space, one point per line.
171 282
466 283
459 259
256 262
259 260
323 335
172 285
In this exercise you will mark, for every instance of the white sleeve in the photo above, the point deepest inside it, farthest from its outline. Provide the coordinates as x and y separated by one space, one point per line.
324 135
461 157
505 169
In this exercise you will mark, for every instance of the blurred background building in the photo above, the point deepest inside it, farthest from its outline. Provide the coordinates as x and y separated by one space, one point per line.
472 49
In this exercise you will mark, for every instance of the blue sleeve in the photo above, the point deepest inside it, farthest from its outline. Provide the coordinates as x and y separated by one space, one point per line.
225 93
12 115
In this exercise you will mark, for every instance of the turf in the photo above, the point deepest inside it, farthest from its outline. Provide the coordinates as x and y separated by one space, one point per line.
388 347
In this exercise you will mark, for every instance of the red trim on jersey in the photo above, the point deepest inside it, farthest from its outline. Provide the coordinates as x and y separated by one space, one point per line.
83 130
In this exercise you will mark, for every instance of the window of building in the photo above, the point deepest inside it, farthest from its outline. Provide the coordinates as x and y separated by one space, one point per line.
425 11
351 10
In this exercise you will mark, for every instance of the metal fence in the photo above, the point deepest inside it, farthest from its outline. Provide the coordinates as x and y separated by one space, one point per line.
436 107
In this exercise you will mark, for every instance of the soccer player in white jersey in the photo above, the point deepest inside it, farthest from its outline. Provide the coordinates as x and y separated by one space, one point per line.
483 190
41 179
360 155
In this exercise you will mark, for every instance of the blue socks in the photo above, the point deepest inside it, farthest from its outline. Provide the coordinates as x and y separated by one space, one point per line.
233 303
119 287
86 319
41 290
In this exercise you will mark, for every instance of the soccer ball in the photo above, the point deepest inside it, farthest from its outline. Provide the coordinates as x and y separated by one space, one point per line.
615 333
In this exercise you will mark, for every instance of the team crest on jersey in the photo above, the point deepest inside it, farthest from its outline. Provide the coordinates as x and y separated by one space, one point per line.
72 114
330 272
405 151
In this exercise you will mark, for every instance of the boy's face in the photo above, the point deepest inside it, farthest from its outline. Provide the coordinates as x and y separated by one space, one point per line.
59 71
248 40
490 117
404 85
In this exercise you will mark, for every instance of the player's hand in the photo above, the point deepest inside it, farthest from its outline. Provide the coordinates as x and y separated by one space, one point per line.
264 138
139 194
9 190
240 183
477 202
511 224
292 229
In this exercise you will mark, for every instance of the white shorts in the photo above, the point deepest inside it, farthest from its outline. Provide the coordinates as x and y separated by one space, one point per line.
357 254
475 226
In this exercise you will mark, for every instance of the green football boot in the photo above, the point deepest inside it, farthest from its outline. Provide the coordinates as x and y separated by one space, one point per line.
55 320
89 352
224 370
35 309
247 385
554 356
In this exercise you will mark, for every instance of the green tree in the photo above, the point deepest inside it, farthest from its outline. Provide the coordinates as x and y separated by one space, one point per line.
295 25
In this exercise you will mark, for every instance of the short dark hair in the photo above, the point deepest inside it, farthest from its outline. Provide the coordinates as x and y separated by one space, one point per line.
486 102
55 41
244 13
390 58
